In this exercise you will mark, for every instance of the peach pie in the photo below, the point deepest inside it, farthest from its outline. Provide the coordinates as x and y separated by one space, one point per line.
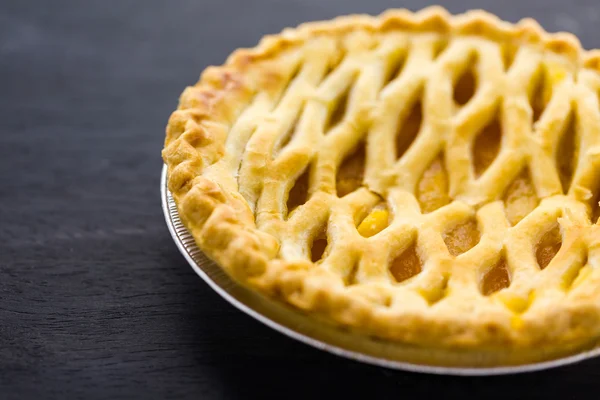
417 177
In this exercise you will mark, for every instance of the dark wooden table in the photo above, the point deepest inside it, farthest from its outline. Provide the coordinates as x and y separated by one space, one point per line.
95 300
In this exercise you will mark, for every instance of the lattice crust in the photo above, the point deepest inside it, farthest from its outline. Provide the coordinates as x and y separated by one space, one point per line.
421 177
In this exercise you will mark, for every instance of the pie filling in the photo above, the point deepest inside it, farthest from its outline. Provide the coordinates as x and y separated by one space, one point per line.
462 237
432 190
495 279
351 173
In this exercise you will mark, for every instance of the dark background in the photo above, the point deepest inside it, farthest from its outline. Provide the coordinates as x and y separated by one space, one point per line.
95 300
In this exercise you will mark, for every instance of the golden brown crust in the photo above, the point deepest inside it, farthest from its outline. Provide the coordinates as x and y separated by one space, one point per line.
203 167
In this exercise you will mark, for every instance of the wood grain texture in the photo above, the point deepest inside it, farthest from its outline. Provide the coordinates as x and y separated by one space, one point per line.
95 300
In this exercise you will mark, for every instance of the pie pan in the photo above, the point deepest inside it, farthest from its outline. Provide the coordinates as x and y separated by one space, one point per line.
344 343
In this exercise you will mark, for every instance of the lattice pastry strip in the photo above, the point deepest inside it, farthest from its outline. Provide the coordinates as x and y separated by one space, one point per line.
425 178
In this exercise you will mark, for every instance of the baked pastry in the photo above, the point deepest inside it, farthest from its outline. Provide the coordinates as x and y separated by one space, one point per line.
419 177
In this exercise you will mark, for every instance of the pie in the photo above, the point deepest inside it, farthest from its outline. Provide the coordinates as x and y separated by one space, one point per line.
417 177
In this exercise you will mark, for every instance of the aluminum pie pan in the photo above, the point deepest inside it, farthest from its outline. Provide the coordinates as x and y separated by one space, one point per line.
336 340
